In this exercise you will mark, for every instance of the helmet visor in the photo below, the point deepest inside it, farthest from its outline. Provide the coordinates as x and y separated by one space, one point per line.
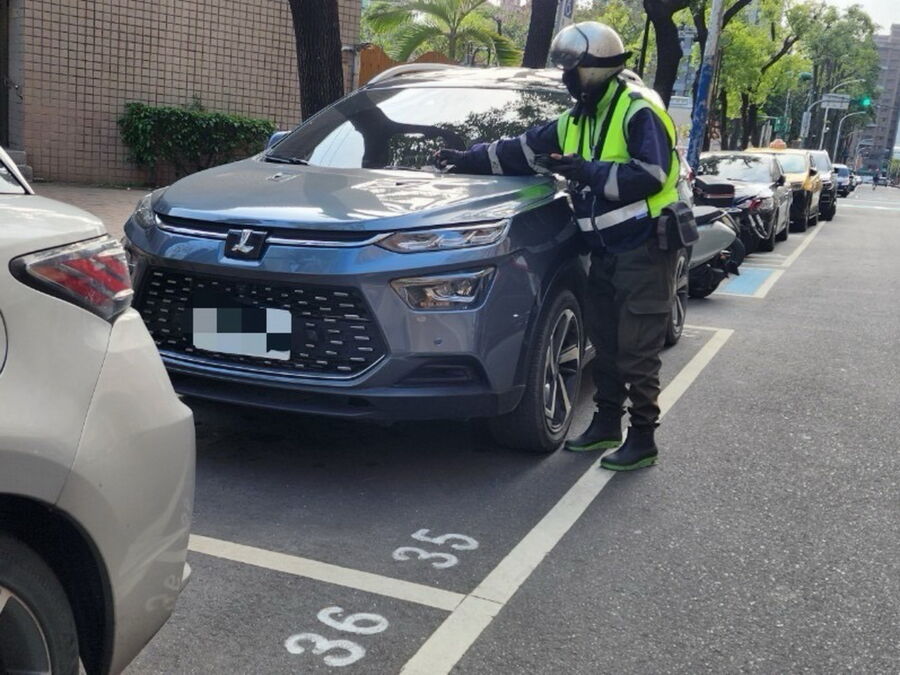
569 48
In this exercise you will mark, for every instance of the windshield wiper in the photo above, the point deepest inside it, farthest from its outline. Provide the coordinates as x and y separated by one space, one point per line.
286 160
401 167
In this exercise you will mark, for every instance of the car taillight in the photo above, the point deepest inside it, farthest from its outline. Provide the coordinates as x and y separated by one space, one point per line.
92 274
754 204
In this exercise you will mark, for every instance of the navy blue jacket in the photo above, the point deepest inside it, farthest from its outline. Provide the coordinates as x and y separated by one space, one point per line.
614 183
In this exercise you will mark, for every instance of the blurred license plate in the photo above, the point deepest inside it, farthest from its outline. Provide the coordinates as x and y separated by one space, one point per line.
247 331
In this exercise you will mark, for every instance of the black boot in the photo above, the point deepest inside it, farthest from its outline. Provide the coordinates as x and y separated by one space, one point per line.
604 432
638 451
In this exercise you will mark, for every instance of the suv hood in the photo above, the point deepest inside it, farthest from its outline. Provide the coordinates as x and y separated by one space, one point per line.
257 193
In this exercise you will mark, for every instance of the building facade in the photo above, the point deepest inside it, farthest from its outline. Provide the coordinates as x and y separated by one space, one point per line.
71 66
888 110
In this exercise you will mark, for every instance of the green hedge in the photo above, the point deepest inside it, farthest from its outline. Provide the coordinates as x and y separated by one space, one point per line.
190 138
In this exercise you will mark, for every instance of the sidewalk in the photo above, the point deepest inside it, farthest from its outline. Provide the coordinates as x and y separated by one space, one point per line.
111 205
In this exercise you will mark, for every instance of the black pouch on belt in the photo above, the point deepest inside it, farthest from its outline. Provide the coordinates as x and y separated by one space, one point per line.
676 227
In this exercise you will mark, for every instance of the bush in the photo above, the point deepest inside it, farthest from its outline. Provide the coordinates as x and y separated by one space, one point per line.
189 138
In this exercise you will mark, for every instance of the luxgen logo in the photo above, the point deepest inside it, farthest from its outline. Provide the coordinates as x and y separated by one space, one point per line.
245 244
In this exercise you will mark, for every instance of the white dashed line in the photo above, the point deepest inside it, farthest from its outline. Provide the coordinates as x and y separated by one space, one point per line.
447 645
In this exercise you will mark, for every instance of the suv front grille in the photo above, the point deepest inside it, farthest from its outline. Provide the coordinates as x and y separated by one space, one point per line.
332 332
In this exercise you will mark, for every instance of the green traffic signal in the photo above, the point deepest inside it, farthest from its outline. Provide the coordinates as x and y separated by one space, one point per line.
865 101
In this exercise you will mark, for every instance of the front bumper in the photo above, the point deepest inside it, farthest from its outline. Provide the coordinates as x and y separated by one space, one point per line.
132 486
436 364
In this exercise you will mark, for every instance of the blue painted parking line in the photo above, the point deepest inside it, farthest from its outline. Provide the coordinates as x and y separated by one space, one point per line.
753 282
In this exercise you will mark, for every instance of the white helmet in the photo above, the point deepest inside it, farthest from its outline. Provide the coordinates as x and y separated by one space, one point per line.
594 48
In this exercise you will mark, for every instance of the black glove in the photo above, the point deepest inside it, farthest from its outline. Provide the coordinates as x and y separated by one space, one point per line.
570 167
457 161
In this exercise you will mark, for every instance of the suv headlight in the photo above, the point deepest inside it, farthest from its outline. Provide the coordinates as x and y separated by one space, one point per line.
143 214
459 290
446 238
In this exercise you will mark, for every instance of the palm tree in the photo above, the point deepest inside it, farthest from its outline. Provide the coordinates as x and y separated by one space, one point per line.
448 25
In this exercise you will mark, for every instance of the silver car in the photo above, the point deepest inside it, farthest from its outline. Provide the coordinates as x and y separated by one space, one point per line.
96 451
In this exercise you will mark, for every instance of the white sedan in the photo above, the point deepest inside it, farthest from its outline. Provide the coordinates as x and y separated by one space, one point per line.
96 451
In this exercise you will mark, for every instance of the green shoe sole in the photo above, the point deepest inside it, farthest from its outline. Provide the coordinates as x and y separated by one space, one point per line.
599 445
649 461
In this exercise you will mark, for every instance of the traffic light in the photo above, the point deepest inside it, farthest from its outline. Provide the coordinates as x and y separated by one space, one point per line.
864 101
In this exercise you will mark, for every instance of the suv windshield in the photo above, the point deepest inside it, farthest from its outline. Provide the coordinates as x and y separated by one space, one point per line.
404 127
736 167
792 163
821 161
843 171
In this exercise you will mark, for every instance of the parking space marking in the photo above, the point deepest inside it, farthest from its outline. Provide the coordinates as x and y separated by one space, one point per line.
447 645
331 574
755 282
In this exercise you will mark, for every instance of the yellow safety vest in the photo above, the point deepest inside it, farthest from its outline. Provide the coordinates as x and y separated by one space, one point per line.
583 137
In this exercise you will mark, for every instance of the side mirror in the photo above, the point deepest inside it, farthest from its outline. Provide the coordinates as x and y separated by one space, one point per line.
275 137
781 180
813 171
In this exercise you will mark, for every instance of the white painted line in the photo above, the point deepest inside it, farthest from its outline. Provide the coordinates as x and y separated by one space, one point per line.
331 574
447 645
711 329
803 246
866 205
766 286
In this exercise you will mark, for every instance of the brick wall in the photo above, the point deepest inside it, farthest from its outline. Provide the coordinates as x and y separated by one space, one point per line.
84 59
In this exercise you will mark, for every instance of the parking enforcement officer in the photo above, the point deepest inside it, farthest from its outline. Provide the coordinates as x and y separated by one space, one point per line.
616 147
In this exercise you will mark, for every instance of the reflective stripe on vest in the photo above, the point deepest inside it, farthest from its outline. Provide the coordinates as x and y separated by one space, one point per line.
635 210
583 139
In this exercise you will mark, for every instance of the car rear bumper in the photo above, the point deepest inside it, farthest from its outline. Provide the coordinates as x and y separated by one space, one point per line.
132 485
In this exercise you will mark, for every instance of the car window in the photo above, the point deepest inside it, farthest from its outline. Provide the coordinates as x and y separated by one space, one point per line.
843 171
8 183
404 127
792 163
749 168
821 161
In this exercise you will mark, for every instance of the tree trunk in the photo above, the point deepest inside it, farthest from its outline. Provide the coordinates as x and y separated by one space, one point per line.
540 33
668 46
753 120
319 68
723 118
745 120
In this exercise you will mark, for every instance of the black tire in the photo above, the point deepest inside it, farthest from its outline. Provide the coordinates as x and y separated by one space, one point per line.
37 631
783 235
828 213
801 224
679 307
768 244
528 427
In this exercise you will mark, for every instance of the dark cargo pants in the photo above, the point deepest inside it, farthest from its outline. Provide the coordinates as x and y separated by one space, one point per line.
629 303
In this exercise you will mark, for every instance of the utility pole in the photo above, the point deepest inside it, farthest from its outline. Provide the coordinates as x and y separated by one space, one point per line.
704 82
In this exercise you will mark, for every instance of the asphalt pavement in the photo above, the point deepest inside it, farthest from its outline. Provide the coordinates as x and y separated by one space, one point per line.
767 540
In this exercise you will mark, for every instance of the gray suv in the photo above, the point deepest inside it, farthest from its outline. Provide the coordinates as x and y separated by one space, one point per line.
338 273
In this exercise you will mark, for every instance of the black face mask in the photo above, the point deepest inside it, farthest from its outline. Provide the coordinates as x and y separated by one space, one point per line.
585 101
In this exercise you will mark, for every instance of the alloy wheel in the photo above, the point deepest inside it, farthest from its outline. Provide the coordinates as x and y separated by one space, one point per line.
562 364
679 307
23 645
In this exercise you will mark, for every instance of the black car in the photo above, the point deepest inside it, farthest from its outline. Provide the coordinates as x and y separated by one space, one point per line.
753 183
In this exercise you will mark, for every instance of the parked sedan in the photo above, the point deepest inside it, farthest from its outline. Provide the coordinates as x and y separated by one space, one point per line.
822 162
805 183
96 451
339 273
758 187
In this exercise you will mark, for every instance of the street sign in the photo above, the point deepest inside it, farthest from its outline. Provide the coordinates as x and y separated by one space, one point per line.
804 124
565 14
835 102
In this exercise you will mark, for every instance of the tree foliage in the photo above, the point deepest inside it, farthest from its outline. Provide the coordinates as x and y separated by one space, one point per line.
453 27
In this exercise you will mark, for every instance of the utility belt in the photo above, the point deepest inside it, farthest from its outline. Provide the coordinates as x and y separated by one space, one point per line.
675 227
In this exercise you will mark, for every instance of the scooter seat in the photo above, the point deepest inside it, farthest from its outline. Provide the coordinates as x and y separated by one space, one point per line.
704 215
